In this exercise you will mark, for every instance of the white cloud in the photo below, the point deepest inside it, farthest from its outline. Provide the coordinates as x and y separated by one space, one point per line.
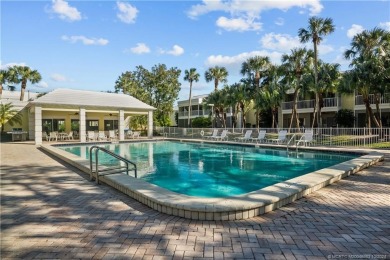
279 21
245 14
127 12
355 29
65 11
140 48
41 84
238 24
280 42
176 51
58 77
385 25
85 40
11 64
233 63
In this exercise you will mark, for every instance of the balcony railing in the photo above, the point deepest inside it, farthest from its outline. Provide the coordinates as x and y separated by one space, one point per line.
195 113
385 99
328 102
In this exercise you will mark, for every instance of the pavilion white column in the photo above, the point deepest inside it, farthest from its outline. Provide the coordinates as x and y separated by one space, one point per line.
82 125
150 124
38 125
121 125
31 125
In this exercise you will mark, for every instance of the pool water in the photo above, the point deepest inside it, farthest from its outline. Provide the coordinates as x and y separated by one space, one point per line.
211 170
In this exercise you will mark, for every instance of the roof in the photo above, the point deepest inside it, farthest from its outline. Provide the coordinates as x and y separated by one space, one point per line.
13 97
83 98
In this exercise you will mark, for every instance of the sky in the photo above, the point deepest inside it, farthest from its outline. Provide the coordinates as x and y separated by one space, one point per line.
88 44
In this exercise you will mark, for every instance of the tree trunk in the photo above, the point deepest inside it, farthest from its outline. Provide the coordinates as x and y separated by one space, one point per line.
314 112
1 90
377 113
189 107
294 110
23 89
370 114
215 84
320 106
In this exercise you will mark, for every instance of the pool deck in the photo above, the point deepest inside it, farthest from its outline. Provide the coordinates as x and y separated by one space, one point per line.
51 210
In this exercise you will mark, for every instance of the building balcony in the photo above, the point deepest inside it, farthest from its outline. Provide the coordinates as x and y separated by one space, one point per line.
307 106
195 113
385 99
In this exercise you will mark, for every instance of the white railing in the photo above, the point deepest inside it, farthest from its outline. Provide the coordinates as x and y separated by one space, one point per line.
195 113
334 137
328 102
385 99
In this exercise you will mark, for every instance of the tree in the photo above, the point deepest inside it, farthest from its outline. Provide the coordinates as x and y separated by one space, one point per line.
256 68
329 77
23 74
345 118
294 66
218 100
9 115
370 73
190 76
317 28
218 74
272 94
238 95
158 87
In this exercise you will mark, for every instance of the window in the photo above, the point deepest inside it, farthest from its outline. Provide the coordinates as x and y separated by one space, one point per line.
51 125
110 125
92 125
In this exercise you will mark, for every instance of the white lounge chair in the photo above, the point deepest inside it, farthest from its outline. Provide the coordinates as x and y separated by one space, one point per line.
102 136
53 135
69 136
246 137
260 138
136 135
282 137
112 135
45 136
91 136
306 138
215 134
221 137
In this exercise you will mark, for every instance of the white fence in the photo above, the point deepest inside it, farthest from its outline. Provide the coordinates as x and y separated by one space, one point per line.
355 137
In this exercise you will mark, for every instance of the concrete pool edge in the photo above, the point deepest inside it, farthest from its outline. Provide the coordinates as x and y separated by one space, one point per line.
231 208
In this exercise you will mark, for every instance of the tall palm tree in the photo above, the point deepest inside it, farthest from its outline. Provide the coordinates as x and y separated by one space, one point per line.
219 101
317 28
218 74
294 66
22 75
254 67
370 62
190 76
9 115
329 77
272 94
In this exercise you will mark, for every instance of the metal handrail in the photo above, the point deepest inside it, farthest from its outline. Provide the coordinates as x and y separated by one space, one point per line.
289 141
97 149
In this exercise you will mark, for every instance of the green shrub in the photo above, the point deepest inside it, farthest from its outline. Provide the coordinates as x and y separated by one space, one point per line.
201 122
345 118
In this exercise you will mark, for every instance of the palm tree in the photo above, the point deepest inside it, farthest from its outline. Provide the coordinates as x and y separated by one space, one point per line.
218 74
317 28
255 67
329 77
370 54
190 76
272 94
219 101
22 75
9 115
296 65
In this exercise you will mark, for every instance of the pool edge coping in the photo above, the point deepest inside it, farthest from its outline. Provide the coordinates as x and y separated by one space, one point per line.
231 208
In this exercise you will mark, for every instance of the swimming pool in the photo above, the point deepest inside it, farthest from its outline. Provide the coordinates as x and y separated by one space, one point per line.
235 207
214 171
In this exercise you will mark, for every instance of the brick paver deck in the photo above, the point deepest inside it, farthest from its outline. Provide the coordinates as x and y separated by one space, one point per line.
50 210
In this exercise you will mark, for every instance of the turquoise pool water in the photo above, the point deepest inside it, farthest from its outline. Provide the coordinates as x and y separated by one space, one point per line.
210 170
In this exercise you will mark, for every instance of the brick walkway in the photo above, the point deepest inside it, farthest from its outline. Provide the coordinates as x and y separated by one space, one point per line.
50 210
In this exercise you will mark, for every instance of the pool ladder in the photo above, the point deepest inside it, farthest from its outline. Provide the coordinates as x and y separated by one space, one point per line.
107 171
293 138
